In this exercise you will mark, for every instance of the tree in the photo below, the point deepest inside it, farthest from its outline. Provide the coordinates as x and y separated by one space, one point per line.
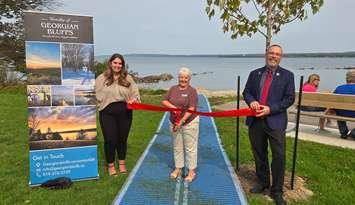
33 121
12 44
270 15
56 136
100 67
72 56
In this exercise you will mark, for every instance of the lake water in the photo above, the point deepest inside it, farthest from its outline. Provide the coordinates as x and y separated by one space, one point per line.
221 73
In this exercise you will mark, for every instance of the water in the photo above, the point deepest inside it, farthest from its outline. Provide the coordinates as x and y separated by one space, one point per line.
225 70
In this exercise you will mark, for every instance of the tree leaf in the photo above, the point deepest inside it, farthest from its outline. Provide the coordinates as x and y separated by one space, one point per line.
283 12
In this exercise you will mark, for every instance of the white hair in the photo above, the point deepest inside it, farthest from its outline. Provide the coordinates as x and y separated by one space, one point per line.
185 70
350 76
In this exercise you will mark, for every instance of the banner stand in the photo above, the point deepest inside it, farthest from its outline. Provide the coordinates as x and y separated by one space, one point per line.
61 97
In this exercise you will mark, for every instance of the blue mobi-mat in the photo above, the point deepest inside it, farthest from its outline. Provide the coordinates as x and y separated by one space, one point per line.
215 182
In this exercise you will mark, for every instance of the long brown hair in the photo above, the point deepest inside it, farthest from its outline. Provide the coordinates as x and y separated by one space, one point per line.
122 74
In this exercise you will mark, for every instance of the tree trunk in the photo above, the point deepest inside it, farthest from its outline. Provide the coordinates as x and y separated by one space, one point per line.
269 25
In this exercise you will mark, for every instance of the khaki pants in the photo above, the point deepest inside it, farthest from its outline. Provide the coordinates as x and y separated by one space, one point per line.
185 141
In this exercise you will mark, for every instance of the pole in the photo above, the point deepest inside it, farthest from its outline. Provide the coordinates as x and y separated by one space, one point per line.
296 133
237 130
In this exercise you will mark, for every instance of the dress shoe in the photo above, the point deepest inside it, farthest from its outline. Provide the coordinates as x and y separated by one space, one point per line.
278 199
258 188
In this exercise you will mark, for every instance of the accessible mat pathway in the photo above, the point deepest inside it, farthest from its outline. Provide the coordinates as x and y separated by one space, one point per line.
216 182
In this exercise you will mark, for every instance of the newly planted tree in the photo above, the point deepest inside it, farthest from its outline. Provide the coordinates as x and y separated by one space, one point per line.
267 19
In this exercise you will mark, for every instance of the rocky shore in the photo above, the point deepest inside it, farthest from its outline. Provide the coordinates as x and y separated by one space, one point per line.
151 78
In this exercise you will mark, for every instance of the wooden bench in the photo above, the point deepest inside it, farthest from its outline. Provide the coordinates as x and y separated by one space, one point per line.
325 100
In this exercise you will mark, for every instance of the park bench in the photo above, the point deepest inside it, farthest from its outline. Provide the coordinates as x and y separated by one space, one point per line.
325 100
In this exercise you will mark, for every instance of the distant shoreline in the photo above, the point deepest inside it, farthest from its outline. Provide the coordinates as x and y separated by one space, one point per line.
350 54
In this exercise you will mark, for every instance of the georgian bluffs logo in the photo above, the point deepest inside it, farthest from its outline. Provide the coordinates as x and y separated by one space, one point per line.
60 27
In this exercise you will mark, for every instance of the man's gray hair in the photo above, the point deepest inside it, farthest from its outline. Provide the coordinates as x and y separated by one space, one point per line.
350 76
185 70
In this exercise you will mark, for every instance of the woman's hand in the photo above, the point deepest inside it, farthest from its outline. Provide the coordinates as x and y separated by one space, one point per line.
177 125
132 101
176 120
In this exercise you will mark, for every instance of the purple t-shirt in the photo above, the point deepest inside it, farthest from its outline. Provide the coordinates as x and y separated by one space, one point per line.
182 99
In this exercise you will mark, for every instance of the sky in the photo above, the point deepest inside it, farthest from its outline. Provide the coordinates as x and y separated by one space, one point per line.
42 55
65 118
62 90
182 27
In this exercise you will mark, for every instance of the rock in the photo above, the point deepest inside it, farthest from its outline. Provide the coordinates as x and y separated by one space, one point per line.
202 73
166 77
155 78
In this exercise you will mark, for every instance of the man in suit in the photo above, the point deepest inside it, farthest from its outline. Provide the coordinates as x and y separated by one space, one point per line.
269 91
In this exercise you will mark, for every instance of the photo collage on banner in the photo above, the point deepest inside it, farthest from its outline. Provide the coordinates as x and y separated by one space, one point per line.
61 97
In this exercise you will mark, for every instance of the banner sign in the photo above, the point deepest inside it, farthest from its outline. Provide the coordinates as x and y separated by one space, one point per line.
61 97
58 28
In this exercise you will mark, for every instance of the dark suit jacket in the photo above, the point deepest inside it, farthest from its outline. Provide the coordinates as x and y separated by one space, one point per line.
281 96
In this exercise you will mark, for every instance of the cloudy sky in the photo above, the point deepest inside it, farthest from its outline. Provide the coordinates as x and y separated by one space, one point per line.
182 27
65 118
42 55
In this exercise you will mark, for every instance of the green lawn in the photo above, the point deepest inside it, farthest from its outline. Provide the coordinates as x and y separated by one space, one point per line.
15 166
329 171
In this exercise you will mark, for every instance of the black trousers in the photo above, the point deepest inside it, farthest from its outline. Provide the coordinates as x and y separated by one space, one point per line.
115 121
260 134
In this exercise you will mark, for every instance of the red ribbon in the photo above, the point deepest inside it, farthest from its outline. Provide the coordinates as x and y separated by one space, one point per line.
227 113
176 116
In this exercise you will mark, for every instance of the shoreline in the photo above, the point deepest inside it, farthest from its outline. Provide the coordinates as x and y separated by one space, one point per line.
200 90
216 93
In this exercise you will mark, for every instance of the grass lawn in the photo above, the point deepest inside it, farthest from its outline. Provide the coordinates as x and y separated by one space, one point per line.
15 165
330 171
221 100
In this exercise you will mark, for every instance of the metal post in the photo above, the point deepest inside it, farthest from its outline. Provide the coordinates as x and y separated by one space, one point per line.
237 130
296 132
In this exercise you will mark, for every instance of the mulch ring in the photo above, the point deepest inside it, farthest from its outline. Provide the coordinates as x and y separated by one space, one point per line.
247 177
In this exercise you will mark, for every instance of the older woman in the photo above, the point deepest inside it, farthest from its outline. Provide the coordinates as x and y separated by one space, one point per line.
183 125
114 89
